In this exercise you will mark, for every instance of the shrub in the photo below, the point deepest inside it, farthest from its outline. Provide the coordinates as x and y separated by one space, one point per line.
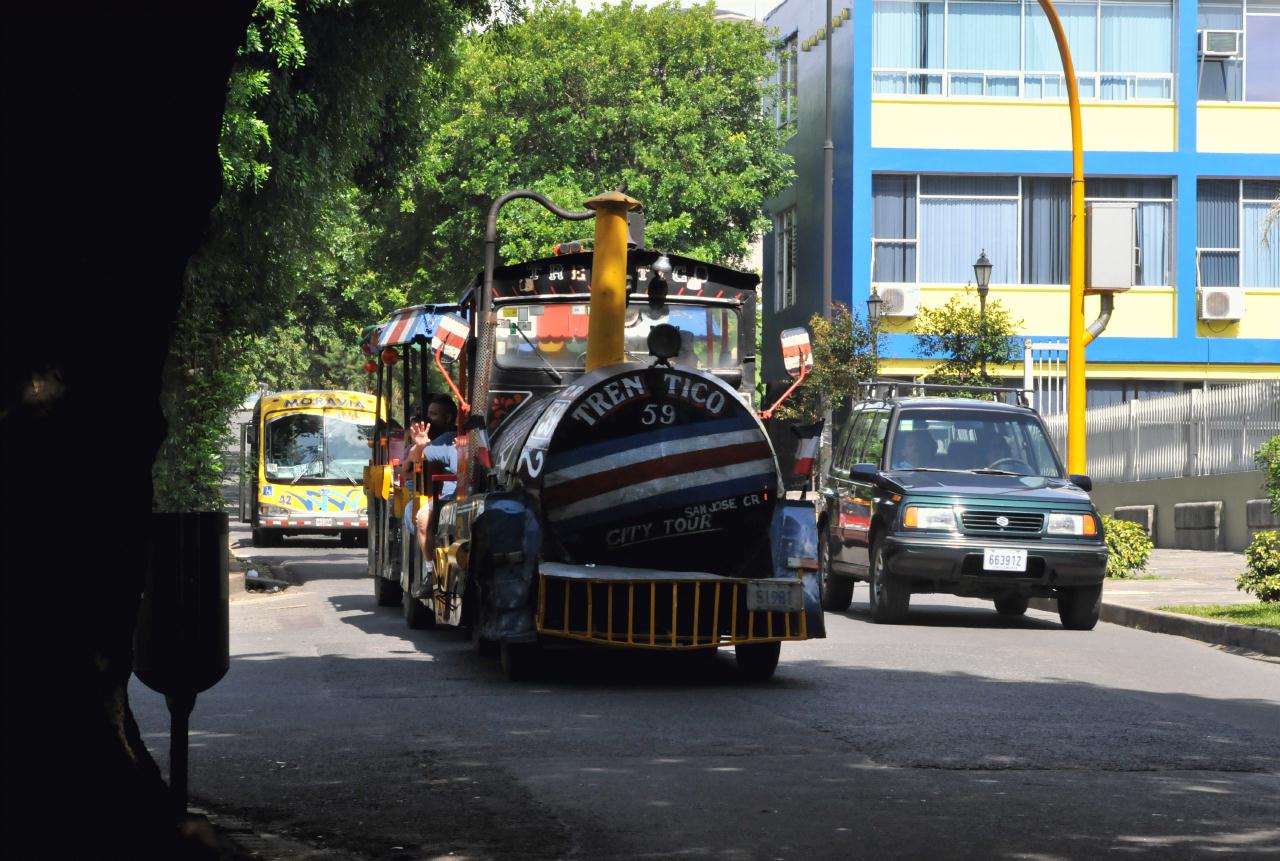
1268 457
1128 547
1262 571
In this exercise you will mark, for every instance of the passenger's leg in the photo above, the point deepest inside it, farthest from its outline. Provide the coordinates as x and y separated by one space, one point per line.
424 533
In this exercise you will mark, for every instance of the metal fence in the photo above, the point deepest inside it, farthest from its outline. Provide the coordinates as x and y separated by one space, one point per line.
1198 432
1044 375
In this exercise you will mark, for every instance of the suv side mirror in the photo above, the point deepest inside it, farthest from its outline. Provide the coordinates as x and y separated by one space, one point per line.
866 473
1083 482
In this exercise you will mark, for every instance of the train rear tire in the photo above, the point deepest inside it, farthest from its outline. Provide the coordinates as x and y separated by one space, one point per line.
757 661
416 615
520 661
387 592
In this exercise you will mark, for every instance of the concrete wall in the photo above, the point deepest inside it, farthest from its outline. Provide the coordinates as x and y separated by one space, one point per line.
1233 491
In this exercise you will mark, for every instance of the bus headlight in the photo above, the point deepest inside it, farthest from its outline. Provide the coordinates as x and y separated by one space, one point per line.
929 517
1061 523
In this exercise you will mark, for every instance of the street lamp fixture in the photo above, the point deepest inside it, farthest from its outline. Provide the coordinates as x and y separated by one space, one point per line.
982 276
874 304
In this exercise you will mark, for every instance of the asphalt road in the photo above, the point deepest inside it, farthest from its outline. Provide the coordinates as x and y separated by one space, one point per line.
958 735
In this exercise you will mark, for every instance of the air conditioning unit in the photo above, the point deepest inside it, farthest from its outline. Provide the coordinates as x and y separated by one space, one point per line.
1220 44
900 300
1221 303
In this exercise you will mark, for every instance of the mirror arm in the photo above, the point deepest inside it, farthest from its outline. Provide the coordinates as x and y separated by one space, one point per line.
804 372
464 408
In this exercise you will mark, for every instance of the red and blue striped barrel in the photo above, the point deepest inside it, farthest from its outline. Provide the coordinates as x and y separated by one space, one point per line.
653 467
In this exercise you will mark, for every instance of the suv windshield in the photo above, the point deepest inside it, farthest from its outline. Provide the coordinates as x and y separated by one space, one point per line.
320 449
530 335
972 440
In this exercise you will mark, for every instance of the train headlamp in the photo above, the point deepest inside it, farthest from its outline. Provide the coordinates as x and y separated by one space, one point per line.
664 341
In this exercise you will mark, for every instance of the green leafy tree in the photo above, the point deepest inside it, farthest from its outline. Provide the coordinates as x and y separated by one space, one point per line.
324 114
663 99
1268 457
843 357
958 337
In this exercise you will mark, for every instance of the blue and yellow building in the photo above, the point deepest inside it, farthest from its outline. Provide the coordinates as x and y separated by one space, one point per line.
951 137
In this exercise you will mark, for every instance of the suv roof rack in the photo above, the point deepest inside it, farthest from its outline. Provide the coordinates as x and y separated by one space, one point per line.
873 388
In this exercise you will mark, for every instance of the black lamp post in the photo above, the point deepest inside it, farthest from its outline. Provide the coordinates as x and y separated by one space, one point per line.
982 275
874 302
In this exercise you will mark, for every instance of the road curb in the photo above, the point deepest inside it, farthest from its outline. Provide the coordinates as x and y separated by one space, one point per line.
1261 640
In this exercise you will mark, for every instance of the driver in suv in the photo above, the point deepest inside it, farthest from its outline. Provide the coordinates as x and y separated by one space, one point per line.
959 496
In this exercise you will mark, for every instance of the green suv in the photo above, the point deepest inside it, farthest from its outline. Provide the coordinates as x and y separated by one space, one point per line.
961 496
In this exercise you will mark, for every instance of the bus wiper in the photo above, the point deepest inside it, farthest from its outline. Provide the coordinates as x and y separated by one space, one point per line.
348 476
302 468
550 369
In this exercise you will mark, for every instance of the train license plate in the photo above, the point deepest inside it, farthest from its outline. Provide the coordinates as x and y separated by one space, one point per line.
1003 559
773 595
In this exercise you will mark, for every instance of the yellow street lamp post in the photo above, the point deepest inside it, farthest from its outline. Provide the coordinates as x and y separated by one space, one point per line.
1076 328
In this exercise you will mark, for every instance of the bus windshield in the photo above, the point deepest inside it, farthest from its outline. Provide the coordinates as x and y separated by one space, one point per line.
534 335
320 449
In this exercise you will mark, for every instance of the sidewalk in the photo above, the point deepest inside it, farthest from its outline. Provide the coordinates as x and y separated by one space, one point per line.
1184 577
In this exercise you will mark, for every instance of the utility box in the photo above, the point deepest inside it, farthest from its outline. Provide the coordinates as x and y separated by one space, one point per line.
1111 255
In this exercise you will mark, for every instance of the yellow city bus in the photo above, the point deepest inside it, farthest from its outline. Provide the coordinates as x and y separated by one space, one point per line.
302 465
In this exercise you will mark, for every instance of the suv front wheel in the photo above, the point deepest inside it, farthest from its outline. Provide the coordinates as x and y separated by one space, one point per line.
1079 606
837 591
890 596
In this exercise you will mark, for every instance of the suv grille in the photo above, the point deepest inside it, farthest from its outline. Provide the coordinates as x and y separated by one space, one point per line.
985 521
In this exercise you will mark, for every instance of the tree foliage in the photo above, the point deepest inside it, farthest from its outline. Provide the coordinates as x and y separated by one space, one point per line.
324 114
664 99
1268 457
843 357
958 337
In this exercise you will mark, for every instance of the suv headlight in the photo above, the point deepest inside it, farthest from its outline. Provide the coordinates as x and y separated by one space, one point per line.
1061 523
273 510
929 517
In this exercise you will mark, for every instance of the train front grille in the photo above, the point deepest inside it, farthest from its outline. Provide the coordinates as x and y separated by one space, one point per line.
659 613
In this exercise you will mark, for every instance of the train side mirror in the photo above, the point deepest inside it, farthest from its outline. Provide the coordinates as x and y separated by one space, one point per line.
797 353
450 337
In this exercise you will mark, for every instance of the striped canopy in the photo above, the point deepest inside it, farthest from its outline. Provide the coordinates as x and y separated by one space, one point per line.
407 324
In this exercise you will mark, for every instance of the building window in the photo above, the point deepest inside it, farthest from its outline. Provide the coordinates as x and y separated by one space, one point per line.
1155 223
785 103
1022 223
784 259
960 216
1232 249
1005 49
1238 50
893 228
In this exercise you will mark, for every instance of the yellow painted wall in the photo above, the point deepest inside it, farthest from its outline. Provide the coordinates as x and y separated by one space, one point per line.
1113 370
1261 318
933 123
1143 312
1238 127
